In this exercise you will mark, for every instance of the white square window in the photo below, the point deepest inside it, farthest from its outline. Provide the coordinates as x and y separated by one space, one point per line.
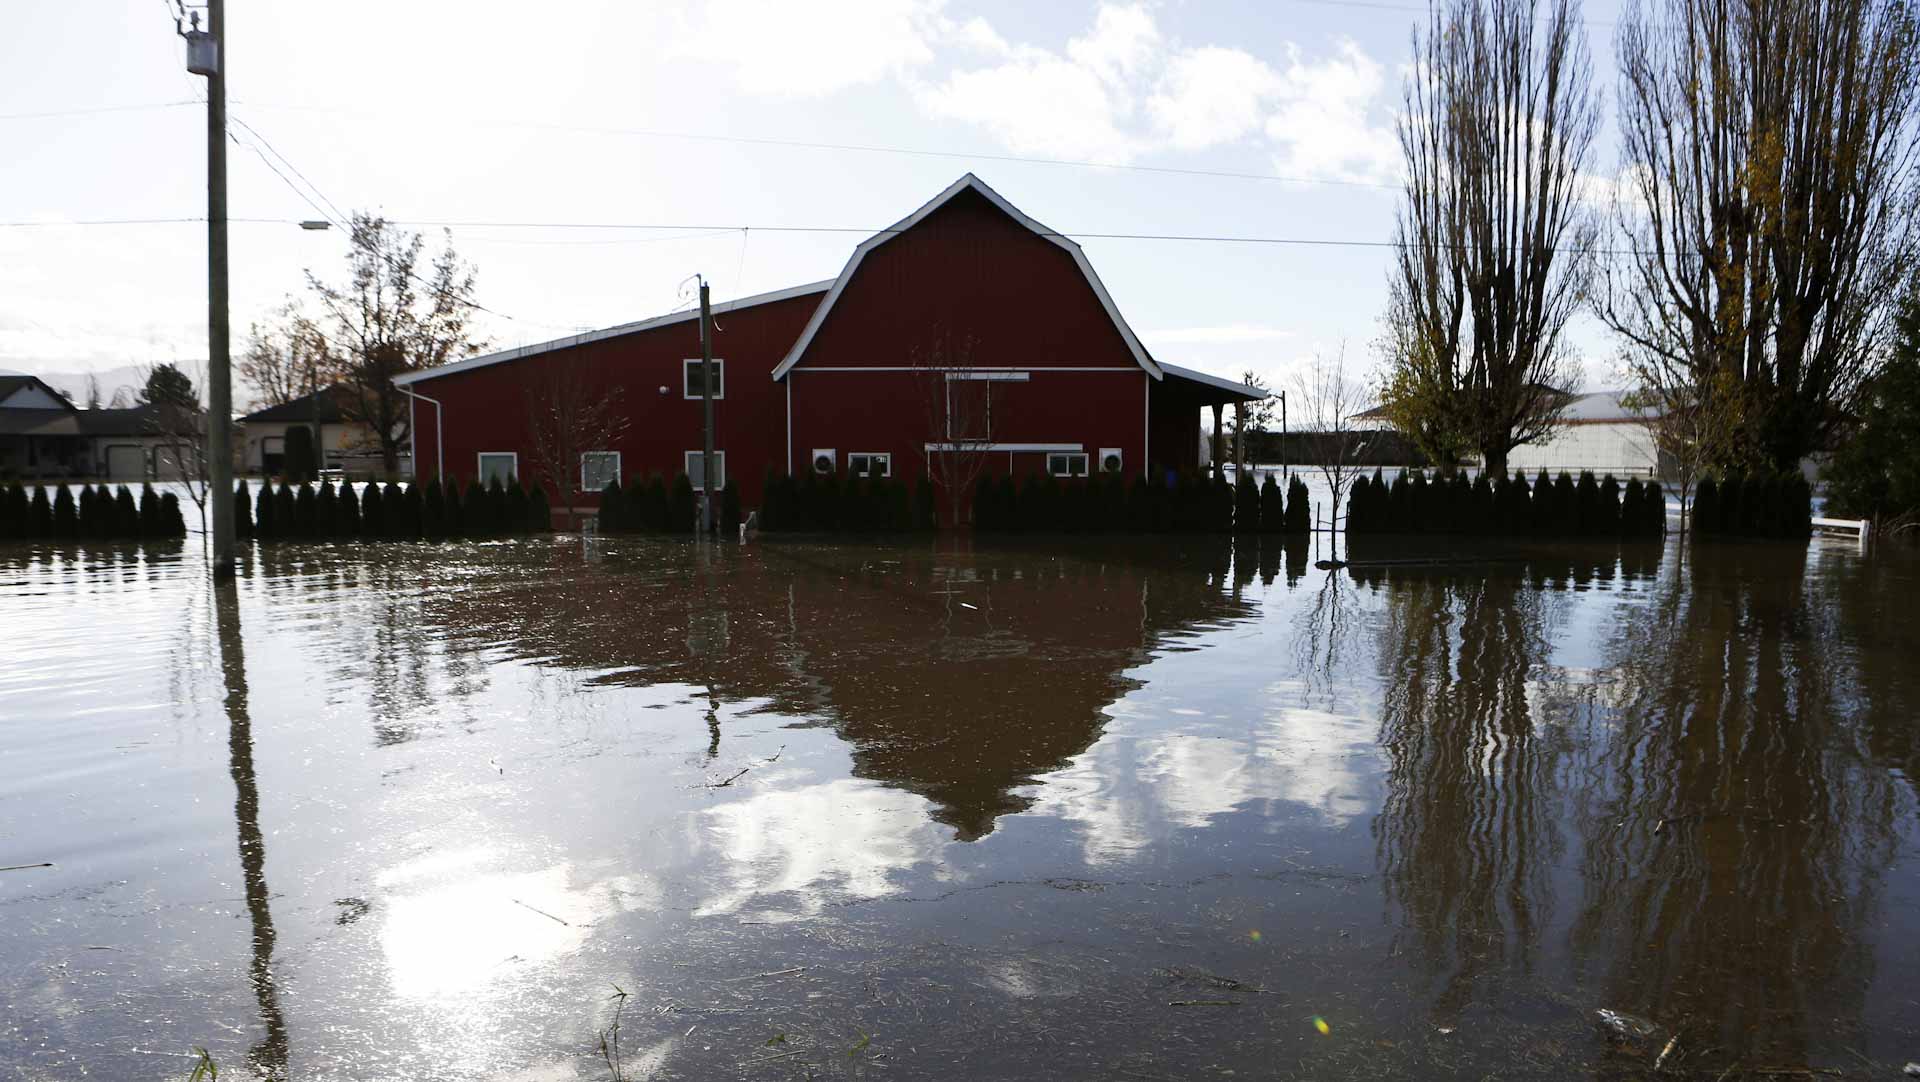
690 378
1067 465
598 469
719 470
503 466
870 464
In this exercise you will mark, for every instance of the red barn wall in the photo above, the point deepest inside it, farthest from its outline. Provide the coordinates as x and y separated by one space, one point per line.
995 295
486 407
969 272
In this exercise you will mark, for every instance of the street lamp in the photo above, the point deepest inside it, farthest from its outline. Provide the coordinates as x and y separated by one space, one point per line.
315 225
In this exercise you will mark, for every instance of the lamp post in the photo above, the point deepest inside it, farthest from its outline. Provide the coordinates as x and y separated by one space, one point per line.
206 57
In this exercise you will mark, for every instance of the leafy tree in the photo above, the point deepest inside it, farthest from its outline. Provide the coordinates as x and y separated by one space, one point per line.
388 319
284 357
1876 471
167 385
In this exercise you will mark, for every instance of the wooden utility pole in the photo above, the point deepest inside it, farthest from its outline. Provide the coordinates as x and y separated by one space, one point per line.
706 405
219 372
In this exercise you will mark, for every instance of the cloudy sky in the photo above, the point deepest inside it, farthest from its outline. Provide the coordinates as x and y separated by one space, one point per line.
535 127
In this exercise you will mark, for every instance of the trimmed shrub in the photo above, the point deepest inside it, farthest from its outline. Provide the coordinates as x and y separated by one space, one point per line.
172 522
1246 504
517 508
299 462
284 513
1654 509
1299 508
1566 506
614 516
433 509
730 509
151 518
682 511
66 517
242 509
126 514
326 510
42 514
306 517
1705 513
346 511
539 513
373 511
1273 506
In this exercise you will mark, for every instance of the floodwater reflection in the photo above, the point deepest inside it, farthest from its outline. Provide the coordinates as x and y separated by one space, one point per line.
1082 809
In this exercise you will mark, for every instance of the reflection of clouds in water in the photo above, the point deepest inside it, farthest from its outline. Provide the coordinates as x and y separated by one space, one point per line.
846 837
1132 787
453 923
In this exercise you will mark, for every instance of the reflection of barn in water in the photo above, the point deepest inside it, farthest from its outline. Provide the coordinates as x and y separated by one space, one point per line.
955 677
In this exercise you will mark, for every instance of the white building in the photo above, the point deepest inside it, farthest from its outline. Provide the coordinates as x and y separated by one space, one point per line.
1596 433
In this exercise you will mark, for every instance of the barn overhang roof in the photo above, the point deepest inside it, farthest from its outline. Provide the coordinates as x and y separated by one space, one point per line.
1205 390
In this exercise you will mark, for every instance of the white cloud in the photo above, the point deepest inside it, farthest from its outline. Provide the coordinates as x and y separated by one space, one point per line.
1322 126
1212 95
778 48
1123 90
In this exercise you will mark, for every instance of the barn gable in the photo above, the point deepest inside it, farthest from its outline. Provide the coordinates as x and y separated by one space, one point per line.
971 265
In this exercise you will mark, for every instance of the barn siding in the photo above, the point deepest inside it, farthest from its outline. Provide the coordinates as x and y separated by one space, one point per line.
486 407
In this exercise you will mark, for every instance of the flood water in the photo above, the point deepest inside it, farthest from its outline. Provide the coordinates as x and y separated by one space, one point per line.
1072 810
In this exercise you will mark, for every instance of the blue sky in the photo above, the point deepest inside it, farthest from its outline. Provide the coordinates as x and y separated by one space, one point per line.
575 111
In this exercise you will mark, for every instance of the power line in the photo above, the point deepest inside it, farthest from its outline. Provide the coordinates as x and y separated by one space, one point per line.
275 151
721 230
877 148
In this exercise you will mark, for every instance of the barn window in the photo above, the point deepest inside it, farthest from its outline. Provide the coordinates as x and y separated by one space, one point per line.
1067 465
501 466
598 469
690 378
695 475
870 464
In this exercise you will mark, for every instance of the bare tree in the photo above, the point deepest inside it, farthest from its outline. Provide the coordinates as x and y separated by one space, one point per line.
957 408
1494 240
1328 398
1770 164
1690 432
178 423
569 413
284 357
388 320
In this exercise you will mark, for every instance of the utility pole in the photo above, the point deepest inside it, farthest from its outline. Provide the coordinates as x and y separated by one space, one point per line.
706 406
206 55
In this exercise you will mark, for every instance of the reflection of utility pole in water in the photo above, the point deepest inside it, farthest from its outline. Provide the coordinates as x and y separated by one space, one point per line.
707 639
269 1057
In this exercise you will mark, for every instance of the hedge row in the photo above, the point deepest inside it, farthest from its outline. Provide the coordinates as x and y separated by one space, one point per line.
1193 503
427 509
1549 507
652 505
818 503
97 514
1770 505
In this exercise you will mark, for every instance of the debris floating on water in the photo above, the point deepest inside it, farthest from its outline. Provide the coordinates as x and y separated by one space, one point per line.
1320 1024
1913 1070
1626 1025
1660 1060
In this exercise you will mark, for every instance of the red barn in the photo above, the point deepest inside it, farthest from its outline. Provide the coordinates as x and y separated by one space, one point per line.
965 315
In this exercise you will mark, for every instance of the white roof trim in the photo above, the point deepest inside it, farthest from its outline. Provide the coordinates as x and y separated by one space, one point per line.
965 183
1215 381
610 332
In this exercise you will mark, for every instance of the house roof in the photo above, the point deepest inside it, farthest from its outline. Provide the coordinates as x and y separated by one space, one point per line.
608 332
13 382
967 183
137 421
322 406
1231 389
